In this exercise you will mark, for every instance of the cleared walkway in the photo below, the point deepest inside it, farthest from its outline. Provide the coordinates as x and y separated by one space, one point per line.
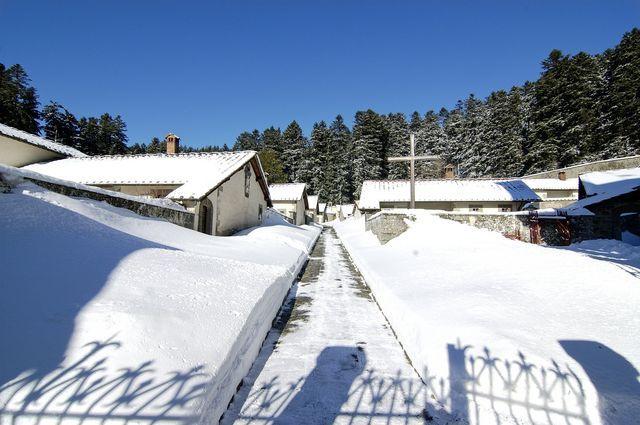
331 356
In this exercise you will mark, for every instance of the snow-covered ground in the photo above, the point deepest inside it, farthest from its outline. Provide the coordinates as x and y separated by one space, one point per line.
508 332
109 317
333 360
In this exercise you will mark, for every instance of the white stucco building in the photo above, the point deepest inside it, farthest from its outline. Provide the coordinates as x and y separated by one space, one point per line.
290 199
554 193
227 191
456 195
19 148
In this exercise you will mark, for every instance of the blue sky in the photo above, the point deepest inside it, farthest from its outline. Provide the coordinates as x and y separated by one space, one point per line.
209 70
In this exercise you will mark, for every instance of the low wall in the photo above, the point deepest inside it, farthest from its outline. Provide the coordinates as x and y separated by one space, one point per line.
181 218
576 170
548 230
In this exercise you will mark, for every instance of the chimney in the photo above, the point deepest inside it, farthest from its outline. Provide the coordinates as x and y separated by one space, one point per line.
173 144
449 172
562 175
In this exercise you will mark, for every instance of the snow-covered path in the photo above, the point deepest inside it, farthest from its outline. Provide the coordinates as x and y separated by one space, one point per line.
331 357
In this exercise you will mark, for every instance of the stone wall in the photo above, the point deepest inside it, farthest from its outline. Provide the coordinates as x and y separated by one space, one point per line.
181 218
576 170
549 230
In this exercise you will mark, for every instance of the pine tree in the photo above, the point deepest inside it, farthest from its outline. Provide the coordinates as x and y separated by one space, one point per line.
248 141
398 130
430 140
370 145
454 131
621 109
272 139
60 125
337 184
319 157
272 166
18 100
503 131
294 146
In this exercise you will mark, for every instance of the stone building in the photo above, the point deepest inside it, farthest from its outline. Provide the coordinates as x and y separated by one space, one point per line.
457 195
227 191
290 199
19 148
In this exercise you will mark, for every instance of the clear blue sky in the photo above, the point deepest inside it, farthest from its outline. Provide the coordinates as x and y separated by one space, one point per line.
209 70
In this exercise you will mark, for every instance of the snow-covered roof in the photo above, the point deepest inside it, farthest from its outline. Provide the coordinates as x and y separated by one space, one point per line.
313 201
197 174
47 144
552 184
287 191
620 181
347 209
602 185
376 191
322 207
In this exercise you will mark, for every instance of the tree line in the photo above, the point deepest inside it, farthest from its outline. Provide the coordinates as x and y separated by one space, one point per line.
582 108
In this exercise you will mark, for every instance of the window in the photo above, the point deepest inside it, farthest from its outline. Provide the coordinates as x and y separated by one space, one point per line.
260 212
247 180
475 208
505 208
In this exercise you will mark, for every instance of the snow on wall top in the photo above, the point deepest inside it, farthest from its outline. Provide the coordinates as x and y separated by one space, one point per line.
552 184
195 173
313 201
32 139
376 191
287 191
9 172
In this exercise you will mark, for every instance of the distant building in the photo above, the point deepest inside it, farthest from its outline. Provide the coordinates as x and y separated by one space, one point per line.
19 148
227 191
612 193
457 195
290 199
313 211
322 212
554 193
346 211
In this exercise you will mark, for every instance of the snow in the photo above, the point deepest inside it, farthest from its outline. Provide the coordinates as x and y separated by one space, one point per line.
287 191
322 207
14 174
196 173
508 332
313 202
334 361
552 184
602 185
347 210
618 181
32 139
109 317
376 191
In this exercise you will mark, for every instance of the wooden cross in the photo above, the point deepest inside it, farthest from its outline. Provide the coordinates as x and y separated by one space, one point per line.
412 159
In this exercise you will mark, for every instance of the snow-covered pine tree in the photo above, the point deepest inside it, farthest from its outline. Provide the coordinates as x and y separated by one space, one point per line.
504 134
338 188
621 103
454 130
475 152
319 156
370 145
548 113
294 145
430 140
398 130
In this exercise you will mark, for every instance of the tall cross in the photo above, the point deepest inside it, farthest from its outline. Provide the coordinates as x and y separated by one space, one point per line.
412 169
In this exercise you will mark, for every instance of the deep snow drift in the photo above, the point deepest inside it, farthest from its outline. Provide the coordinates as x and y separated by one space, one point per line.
508 332
109 317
